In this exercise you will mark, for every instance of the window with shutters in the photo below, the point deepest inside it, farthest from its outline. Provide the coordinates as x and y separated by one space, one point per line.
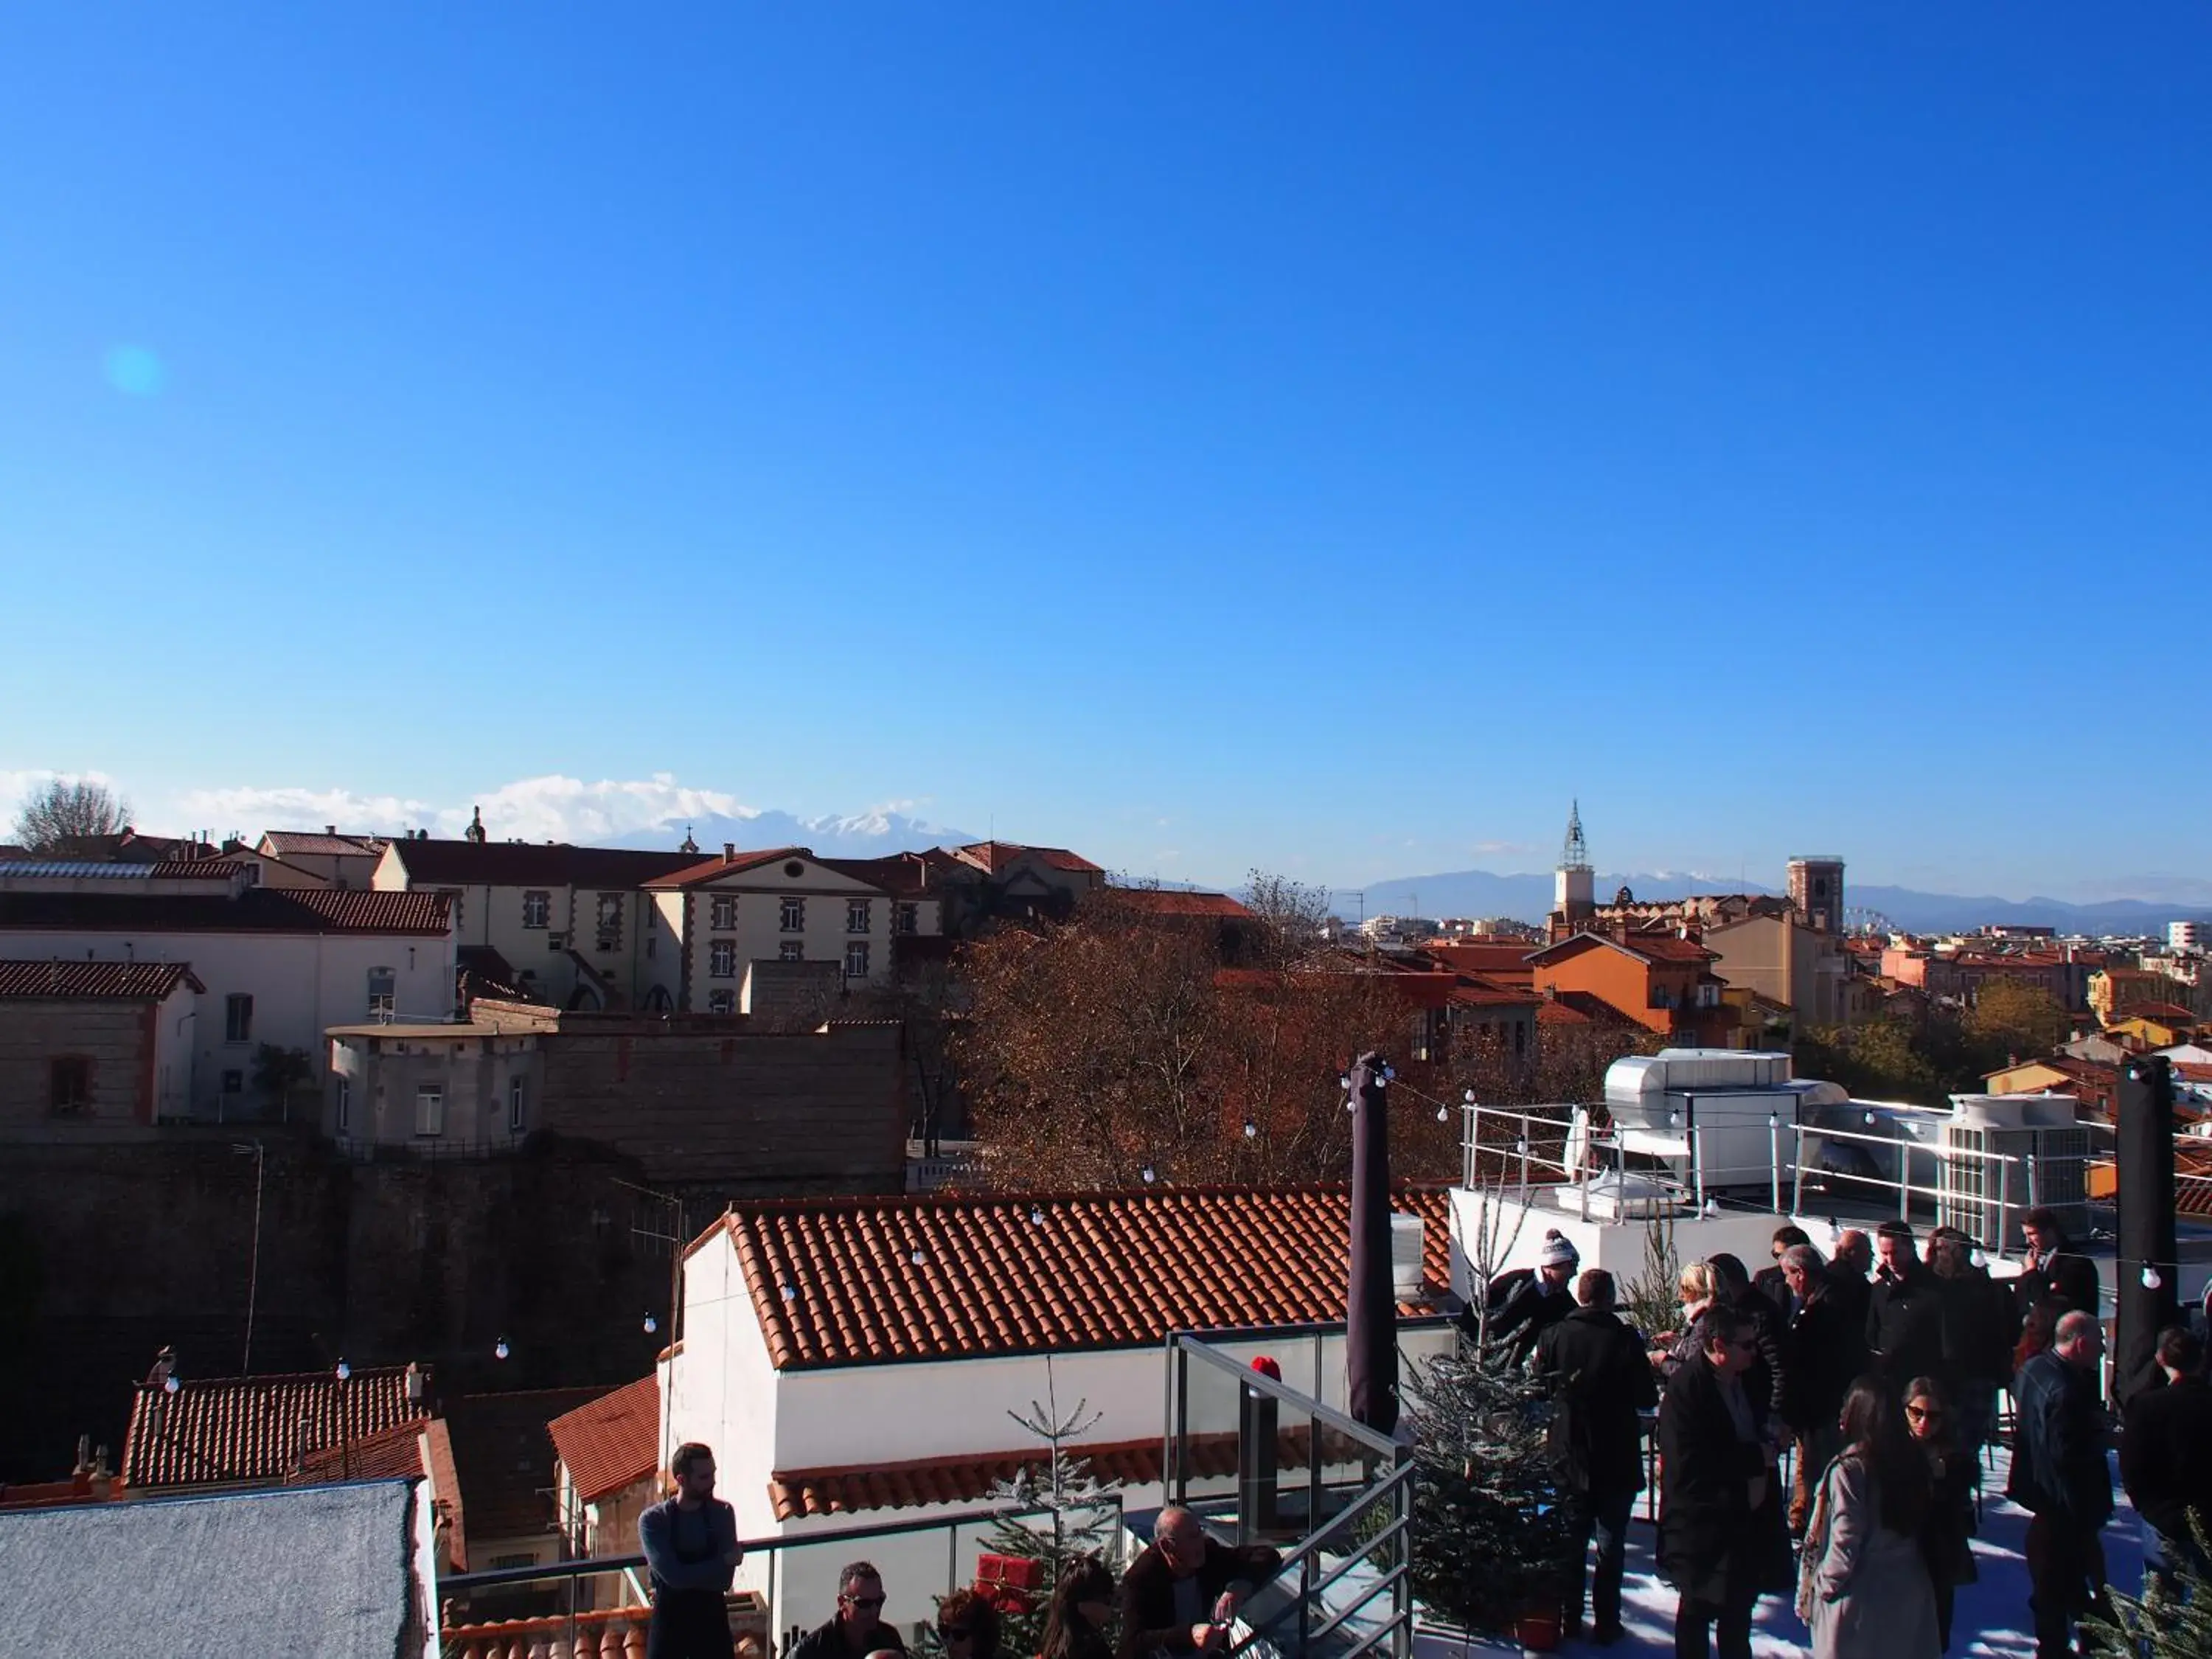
856 959
856 915
792 918
69 1083
383 993
537 908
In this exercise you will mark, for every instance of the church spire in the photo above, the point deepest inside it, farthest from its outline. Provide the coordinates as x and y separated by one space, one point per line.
1575 853
475 832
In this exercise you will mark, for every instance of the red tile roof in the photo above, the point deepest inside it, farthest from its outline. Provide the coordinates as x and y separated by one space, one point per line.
57 979
194 870
1652 947
288 842
257 910
693 873
853 1489
902 875
1500 961
395 1453
611 1442
1174 902
1093 1271
228 1430
2166 1013
996 855
525 864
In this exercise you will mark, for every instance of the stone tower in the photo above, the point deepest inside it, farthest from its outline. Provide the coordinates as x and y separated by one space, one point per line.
1816 892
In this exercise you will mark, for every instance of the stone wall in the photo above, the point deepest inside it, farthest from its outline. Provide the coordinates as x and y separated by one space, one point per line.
714 1108
114 1037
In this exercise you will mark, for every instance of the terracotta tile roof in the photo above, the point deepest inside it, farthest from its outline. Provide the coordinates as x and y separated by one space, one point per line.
288 842
1174 902
228 1430
523 864
996 855
503 1456
902 875
1094 1271
1581 1008
851 1490
1652 947
2164 1012
257 910
697 870
194 870
611 1442
600 1633
93 982
395 1453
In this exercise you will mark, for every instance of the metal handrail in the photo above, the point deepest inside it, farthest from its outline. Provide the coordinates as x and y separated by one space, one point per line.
1393 1487
592 1567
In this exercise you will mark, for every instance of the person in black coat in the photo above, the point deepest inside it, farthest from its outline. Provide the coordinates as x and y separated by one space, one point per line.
2052 1271
1523 1303
1949 1524
1601 1380
1827 1353
1181 1592
1772 1282
1849 1264
1904 1317
2166 1454
1717 1469
2059 1476
1981 1323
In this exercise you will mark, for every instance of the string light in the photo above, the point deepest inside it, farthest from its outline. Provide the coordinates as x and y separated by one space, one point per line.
790 1292
918 1257
651 1324
1251 1129
344 1372
169 1383
1444 1114
1468 1097
499 1349
1036 1216
1149 1175
2151 1278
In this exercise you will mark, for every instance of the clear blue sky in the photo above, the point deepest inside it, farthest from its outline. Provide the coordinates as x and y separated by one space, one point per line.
1323 437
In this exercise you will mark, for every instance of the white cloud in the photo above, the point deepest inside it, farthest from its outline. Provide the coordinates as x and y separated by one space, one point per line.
249 811
568 809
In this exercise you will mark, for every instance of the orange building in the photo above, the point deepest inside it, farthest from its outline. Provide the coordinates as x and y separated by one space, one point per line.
1662 981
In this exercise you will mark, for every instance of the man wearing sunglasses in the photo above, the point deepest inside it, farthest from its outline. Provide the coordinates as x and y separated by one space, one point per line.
859 1629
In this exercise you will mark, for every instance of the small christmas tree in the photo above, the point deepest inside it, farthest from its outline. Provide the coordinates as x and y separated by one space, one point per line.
1083 1518
2172 1620
1492 1535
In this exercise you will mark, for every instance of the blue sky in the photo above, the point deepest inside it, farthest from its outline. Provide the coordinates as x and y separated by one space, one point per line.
1315 437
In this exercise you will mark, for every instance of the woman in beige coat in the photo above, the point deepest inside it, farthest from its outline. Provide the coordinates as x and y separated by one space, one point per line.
1863 1584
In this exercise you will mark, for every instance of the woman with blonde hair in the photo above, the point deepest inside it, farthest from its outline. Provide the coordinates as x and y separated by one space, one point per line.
1696 1287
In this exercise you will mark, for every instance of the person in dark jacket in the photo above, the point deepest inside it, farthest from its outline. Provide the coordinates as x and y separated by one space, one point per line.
2059 1476
1849 1264
1600 1381
690 1545
2166 1454
858 1628
1772 1282
1182 1591
2052 1271
1523 1303
1981 1322
1767 1381
1827 1353
1949 1521
1904 1316
1716 1471
968 1626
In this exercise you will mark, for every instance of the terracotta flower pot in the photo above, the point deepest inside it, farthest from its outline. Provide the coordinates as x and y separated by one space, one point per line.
1539 1628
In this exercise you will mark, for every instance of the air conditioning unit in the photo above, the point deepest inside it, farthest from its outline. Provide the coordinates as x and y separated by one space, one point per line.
1986 1200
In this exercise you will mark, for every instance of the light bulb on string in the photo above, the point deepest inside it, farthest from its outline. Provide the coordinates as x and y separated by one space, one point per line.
1149 1175
918 1257
1251 1130
499 1349
651 1324
1036 1216
1444 1114
1468 1097
790 1292
344 1371
169 1383
2152 1278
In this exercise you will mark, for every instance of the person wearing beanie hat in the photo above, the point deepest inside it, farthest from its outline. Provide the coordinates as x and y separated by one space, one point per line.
1524 1304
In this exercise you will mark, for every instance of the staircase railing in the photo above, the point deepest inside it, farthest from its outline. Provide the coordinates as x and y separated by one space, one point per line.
1345 1580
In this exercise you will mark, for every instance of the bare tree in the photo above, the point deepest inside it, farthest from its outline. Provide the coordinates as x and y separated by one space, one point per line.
61 811
1292 914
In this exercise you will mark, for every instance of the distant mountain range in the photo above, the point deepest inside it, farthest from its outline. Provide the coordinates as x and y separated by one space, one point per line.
862 836
1529 897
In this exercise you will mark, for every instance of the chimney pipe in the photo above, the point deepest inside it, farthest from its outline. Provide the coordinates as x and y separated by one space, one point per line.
330 829
729 851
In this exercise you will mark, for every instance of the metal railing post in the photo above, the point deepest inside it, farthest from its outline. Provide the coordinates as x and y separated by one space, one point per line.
1798 1173
1774 1154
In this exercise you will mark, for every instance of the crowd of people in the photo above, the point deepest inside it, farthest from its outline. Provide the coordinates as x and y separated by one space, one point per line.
1873 1376
1876 1376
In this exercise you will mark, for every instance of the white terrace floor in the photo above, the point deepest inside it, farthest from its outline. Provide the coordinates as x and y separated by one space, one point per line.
1992 1620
